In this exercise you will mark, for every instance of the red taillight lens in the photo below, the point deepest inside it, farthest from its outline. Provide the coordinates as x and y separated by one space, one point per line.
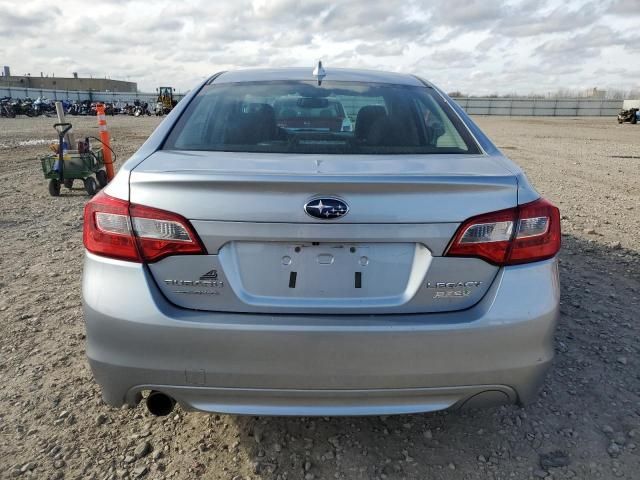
161 234
107 228
523 234
116 229
486 236
538 236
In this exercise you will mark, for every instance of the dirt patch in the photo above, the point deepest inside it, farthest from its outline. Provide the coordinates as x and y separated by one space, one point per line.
586 423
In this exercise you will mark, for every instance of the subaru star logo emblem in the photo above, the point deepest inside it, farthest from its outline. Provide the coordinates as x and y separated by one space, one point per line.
326 208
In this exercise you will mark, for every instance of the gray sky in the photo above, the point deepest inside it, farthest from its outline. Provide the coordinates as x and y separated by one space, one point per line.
477 46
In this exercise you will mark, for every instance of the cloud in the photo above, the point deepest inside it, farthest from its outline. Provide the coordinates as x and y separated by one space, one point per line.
471 45
382 49
582 46
20 20
625 7
371 21
451 59
468 13
557 20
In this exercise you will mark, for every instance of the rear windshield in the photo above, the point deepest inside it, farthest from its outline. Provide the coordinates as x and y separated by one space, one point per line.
335 117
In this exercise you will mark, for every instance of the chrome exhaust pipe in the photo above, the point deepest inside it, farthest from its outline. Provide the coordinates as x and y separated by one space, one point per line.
160 404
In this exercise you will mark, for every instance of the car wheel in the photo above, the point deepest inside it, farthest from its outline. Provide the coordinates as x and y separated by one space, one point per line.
54 187
90 186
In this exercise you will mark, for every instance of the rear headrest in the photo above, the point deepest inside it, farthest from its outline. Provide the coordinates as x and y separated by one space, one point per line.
393 131
366 118
252 127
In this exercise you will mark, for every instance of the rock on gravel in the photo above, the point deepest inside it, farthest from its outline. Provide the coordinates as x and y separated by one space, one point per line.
555 459
142 450
140 471
101 419
614 450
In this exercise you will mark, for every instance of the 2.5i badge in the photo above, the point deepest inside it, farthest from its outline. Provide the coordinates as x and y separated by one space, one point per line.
452 289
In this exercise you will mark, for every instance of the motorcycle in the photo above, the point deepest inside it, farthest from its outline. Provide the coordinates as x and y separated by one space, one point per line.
74 109
43 106
6 108
109 109
630 115
127 109
140 108
66 105
159 110
118 108
80 108
26 107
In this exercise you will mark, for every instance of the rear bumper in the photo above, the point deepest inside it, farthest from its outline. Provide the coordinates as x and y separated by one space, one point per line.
496 352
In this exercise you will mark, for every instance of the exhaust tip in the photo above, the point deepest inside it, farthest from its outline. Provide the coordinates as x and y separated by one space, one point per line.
160 404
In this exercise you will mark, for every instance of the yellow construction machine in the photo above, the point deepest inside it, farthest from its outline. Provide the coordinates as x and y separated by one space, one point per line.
165 101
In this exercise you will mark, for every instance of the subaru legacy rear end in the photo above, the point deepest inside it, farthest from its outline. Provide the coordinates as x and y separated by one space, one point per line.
252 259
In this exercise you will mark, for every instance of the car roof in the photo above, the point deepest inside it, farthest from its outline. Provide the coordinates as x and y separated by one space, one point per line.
332 74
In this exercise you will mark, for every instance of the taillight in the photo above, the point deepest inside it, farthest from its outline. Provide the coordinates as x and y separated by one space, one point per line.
107 228
161 234
526 233
117 229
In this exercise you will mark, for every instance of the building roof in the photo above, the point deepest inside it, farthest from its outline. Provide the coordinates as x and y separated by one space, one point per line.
332 74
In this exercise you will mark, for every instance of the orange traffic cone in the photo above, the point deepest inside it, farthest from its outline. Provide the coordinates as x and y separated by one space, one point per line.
104 137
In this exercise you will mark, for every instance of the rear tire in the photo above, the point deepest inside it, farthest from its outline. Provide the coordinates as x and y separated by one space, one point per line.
54 187
90 186
68 182
101 176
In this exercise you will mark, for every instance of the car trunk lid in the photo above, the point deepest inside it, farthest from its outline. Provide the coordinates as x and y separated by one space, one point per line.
265 254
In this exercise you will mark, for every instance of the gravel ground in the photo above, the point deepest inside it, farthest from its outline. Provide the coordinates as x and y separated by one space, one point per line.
586 423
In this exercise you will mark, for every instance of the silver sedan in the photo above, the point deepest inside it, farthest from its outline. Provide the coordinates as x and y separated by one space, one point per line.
256 257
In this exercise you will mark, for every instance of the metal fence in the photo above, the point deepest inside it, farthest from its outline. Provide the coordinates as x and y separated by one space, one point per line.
565 107
561 107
